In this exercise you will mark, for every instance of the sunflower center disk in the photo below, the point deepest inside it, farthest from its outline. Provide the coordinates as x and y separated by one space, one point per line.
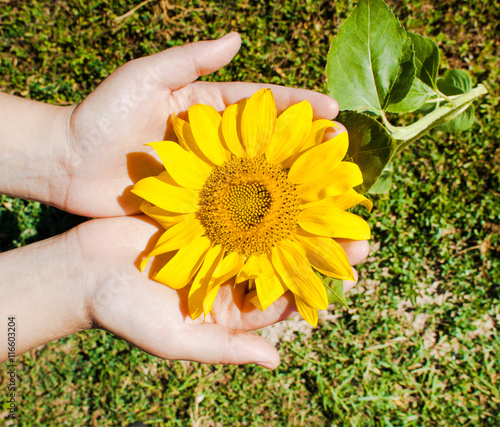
247 205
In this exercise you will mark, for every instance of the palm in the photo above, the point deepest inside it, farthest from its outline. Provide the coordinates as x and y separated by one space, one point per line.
154 317
156 320
111 156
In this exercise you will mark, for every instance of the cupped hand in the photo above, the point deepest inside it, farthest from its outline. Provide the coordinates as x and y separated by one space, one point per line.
155 318
132 107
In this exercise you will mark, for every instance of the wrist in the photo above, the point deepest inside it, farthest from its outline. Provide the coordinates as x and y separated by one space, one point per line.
35 149
43 287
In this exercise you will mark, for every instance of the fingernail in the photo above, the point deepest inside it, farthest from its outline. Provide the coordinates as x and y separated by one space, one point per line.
267 365
227 35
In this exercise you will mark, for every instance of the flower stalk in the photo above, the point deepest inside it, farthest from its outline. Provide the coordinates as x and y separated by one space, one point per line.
411 133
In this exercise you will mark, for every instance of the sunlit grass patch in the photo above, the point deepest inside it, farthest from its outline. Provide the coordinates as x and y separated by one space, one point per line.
420 342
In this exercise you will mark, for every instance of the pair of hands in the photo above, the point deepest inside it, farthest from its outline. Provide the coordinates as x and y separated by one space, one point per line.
103 155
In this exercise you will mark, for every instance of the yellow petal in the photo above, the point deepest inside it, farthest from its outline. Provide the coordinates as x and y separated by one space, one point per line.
269 288
292 128
318 130
344 201
319 161
185 168
257 122
178 272
309 314
315 137
165 218
186 139
183 132
199 287
249 271
205 122
229 267
254 299
155 190
333 222
326 256
209 300
230 124
176 237
341 178
144 262
296 274
241 277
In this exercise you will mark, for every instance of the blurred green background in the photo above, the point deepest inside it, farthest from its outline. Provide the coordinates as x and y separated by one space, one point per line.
420 342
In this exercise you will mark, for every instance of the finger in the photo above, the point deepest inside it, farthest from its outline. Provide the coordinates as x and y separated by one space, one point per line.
349 284
176 67
215 344
324 107
282 309
333 132
233 308
170 69
252 318
356 250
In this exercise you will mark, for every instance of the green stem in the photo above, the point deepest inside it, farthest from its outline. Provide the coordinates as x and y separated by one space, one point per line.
450 99
387 124
410 133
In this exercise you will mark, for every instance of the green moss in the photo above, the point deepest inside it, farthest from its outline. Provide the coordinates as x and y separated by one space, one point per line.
435 235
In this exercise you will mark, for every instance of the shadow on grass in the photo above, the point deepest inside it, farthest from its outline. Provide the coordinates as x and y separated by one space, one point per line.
52 221
25 222
9 230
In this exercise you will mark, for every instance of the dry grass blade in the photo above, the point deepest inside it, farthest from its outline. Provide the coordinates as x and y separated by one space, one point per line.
132 11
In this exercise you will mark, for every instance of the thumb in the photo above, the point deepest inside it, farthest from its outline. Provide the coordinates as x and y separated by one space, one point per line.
171 69
176 67
214 344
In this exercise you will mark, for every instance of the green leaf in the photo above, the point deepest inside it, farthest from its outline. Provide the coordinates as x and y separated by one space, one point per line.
423 87
406 76
457 82
370 146
370 62
426 59
454 82
418 95
384 182
462 122
335 291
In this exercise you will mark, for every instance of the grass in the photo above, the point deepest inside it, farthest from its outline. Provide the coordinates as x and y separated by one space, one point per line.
420 343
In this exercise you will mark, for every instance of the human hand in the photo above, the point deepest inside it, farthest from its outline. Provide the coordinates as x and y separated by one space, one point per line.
155 318
108 130
86 278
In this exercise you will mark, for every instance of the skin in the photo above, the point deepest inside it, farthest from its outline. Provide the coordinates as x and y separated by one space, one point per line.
84 159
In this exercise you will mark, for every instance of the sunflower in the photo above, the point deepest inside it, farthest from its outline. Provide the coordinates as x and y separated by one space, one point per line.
256 198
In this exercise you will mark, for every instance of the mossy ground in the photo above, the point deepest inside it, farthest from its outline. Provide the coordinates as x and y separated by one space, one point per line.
420 343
